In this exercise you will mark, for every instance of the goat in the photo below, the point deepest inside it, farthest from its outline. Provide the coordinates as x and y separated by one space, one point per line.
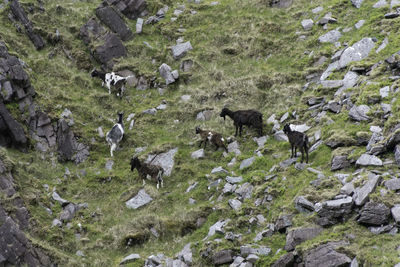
297 140
212 137
148 171
115 135
111 79
244 117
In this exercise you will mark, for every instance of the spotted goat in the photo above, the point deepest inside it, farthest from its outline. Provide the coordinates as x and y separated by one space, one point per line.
212 137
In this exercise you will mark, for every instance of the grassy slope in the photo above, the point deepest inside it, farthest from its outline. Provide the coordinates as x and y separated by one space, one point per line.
242 48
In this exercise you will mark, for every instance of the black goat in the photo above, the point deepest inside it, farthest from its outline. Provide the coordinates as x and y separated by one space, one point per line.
148 171
297 140
244 117
111 79
212 137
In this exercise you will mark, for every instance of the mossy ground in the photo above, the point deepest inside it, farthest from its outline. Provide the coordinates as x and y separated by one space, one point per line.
244 50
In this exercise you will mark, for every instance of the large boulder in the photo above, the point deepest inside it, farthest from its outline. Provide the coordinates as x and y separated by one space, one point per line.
298 236
111 48
359 113
330 37
369 160
132 9
334 211
325 255
361 194
222 257
91 31
111 18
20 15
286 260
180 50
164 160
141 199
375 214
339 162
12 132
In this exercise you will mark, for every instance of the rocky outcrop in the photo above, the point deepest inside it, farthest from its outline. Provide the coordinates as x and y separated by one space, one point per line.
132 9
69 149
375 214
298 236
111 48
334 211
326 255
11 132
111 18
20 15
15 248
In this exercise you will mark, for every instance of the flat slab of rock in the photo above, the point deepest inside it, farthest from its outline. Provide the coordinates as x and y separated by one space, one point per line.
222 257
247 163
258 250
286 163
217 228
283 222
235 204
393 184
198 154
110 17
375 214
141 199
281 136
330 37
164 160
304 205
129 258
361 193
334 211
234 180
298 236
369 160
359 113
218 170
326 256
180 50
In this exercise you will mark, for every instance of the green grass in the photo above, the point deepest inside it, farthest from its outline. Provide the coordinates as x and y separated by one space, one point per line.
243 50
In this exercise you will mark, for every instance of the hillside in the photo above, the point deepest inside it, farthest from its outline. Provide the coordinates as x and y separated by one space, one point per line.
329 68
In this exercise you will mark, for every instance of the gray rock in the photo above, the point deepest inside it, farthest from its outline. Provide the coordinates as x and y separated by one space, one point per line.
109 165
315 101
333 106
359 113
59 199
330 37
393 184
303 205
317 10
286 260
218 170
234 180
395 211
141 199
204 115
234 147
299 128
361 193
380 3
283 222
218 227
229 188
245 191
258 250
247 163
68 212
375 138
307 24
191 187
186 98
284 117
110 17
186 65
260 141
359 24
222 257
180 50
186 254
130 258
347 189
357 3
381 229
139 25
384 92
80 253
281 136
298 236
325 255
235 204
198 154
315 146
165 72
394 3
164 160
286 163
252 258
386 108
331 84
383 45
334 211
151 111
374 214
369 160
56 222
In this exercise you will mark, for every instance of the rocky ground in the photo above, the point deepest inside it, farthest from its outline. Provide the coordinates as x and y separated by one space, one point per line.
329 68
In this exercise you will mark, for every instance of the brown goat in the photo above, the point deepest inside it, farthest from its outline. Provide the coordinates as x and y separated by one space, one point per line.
212 137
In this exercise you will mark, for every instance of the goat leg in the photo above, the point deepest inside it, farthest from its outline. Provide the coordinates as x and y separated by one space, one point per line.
241 127
201 141
302 154
236 130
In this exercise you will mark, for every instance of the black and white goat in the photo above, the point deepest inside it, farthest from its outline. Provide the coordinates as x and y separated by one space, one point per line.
148 171
244 117
111 79
212 137
115 135
297 140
